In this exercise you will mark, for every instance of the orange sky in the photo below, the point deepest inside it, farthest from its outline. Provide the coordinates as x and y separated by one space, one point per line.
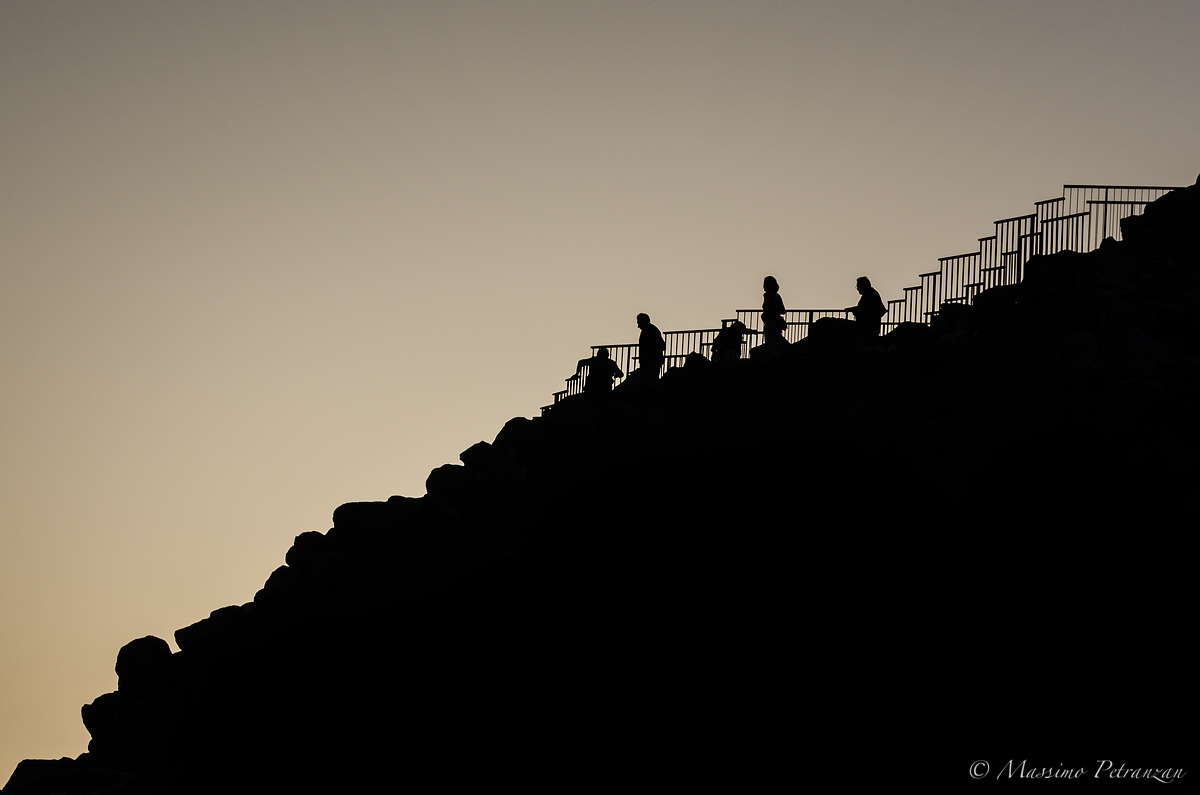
259 259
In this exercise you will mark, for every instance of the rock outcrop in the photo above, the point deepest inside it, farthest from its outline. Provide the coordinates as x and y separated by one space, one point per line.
748 572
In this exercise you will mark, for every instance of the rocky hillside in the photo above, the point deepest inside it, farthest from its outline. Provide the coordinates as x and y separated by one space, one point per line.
966 539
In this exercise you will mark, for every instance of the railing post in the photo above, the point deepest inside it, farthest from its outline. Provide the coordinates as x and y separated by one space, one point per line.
1105 222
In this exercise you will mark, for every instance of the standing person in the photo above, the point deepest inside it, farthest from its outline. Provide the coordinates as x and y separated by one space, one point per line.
870 310
651 348
773 311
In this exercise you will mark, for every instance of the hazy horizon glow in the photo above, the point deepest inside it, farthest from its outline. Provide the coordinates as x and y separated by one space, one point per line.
257 260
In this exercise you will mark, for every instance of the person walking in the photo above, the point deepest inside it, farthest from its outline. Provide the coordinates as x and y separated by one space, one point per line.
773 311
870 309
651 348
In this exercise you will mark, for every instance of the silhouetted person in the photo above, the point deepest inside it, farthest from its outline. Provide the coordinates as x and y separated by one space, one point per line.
773 321
727 345
601 372
870 309
651 348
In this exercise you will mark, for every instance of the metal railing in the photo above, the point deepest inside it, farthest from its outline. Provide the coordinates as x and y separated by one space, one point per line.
1079 220
798 323
678 345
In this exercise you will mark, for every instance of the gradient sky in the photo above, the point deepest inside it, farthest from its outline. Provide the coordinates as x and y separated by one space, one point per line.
258 259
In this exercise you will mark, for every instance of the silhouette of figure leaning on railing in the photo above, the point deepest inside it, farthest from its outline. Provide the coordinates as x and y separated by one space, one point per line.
773 311
601 372
651 349
727 345
870 309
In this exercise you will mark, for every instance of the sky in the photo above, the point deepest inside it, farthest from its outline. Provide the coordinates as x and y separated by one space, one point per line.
258 259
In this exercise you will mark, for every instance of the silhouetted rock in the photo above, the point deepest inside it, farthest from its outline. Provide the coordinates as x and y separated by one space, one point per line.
478 456
102 718
829 334
981 522
306 547
34 776
141 663
220 626
447 480
908 333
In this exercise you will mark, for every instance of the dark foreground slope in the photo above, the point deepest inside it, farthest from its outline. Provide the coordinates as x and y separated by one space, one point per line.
969 541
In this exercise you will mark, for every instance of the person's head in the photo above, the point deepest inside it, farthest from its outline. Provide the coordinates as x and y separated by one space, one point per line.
770 285
602 353
643 320
862 284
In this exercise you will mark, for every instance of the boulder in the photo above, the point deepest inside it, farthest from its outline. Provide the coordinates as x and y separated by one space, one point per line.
141 664
221 625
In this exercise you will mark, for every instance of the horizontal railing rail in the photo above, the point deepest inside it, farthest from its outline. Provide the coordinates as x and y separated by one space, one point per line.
798 322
